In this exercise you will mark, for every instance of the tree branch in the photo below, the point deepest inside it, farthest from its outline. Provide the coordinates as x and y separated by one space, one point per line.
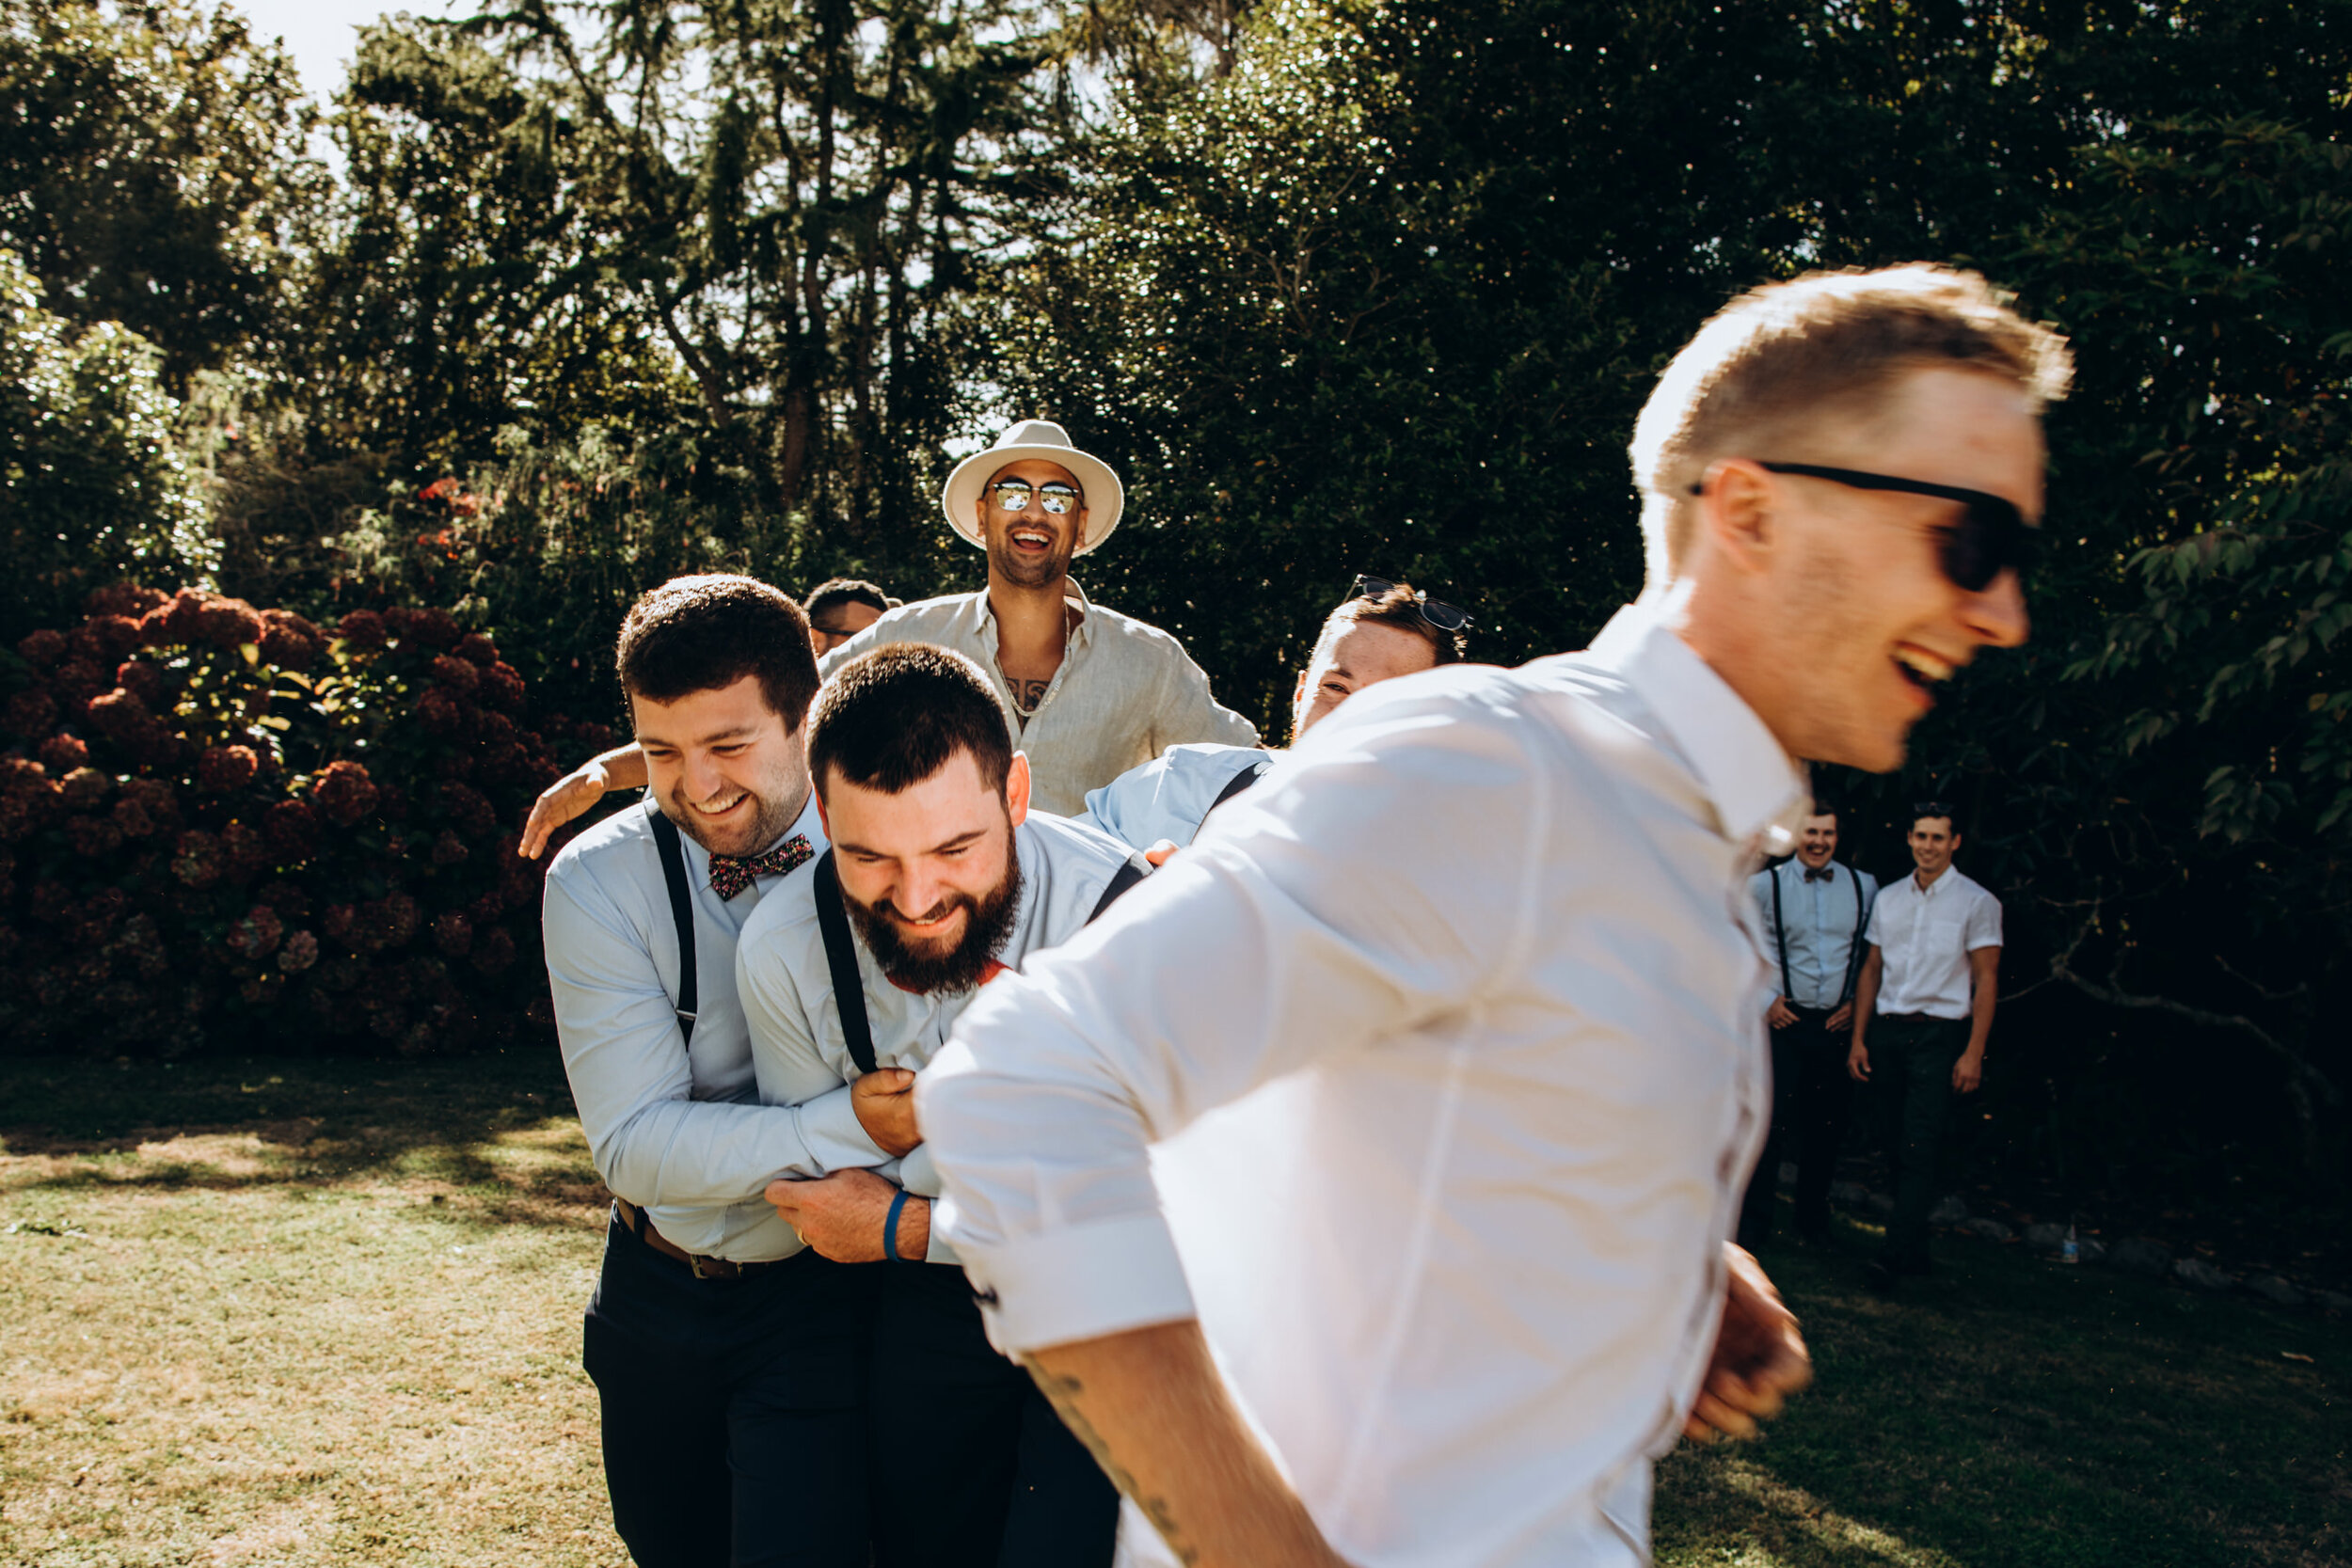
2117 997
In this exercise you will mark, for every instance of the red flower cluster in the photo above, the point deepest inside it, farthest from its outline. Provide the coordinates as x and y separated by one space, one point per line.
217 858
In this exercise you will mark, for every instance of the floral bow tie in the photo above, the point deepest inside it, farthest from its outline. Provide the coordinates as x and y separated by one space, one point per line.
1827 874
730 875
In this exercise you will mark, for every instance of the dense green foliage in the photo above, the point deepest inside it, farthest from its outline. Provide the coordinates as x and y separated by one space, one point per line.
93 486
1339 285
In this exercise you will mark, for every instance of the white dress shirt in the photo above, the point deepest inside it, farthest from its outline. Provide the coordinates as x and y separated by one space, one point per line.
1924 940
1482 946
1819 930
1167 798
1124 692
799 1048
673 1125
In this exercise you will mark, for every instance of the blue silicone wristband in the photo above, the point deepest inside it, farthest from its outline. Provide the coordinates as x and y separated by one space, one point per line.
890 1227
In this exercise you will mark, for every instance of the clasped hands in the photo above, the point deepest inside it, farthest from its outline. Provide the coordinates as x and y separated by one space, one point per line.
842 1216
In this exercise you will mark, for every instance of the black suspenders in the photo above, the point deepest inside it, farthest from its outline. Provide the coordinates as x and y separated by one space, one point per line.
1853 952
848 989
665 840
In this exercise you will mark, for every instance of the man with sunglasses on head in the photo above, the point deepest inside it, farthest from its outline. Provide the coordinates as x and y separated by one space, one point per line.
1484 939
1382 631
1090 693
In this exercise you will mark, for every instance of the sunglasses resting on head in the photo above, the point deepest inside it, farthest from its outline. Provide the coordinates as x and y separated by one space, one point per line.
1991 538
1439 613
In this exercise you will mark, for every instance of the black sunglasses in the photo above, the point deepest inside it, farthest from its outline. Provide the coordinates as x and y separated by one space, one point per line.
1991 537
1439 613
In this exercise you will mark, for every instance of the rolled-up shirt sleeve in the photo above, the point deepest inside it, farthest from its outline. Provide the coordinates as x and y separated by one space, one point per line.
653 1143
1326 909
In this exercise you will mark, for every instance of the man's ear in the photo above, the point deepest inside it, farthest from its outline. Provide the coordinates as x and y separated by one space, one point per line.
1078 539
1735 517
1017 789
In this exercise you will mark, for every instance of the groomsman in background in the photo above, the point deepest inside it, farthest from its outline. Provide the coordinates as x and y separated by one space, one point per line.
1925 1006
1815 912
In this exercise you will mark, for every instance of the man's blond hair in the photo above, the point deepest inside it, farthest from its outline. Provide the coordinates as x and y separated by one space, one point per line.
1773 366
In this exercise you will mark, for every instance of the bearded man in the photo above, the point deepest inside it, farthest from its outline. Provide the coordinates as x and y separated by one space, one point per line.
1089 692
729 1356
940 878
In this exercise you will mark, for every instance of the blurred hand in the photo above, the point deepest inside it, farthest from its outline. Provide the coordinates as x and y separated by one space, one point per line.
841 1215
1759 1360
1968 1071
884 1102
561 800
1858 1063
1840 1021
1778 1015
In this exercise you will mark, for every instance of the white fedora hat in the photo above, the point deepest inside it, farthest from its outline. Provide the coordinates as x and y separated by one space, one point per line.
1104 496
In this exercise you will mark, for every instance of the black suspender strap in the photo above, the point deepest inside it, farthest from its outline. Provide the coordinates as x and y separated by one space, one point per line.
849 988
665 840
1234 785
1853 953
1780 936
1127 877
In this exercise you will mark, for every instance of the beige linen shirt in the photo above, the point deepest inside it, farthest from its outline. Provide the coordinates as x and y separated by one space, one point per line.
1126 693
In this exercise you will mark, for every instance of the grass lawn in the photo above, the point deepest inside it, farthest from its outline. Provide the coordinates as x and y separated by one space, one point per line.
294 1313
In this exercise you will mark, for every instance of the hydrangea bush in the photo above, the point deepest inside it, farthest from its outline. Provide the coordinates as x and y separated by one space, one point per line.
230 827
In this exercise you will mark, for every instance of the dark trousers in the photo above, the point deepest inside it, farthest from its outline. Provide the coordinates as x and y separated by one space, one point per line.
733 1427
1811 1096
972 1467
1911 1076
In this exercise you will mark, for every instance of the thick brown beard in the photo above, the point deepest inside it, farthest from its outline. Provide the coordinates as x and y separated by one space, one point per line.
988 923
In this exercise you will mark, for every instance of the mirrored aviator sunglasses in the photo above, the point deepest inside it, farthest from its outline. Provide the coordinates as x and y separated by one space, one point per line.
1991 538
1439 613
1057 499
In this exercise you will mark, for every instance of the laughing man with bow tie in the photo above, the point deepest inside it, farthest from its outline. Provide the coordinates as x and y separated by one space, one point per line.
1815 911
729 1357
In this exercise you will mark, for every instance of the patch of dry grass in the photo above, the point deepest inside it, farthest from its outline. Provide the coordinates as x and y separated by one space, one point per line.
285 1314
349 1338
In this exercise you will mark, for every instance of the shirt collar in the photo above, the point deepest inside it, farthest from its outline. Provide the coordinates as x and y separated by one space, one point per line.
984 619
1757 788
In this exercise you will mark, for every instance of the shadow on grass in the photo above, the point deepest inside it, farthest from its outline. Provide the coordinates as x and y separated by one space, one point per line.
496 1129
2014 1412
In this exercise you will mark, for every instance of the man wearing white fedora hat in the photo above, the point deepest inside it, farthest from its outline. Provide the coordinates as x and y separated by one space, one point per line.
1093 692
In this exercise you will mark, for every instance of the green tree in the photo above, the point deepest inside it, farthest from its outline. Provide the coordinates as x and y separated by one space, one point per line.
93 489
153 171
737 222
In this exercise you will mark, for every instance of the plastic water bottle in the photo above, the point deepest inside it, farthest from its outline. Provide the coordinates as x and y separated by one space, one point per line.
2070 1250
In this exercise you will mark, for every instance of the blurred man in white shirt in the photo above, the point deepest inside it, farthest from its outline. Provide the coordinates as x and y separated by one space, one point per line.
1484 939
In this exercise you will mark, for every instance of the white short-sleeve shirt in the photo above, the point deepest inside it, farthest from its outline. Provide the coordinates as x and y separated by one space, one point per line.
1924 940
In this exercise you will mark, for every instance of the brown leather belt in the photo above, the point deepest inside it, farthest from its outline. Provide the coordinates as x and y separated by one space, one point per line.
705 1268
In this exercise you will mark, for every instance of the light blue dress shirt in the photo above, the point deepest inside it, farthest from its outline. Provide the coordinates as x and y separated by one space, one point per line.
1823 922
799 1048
1167 798
676 1128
